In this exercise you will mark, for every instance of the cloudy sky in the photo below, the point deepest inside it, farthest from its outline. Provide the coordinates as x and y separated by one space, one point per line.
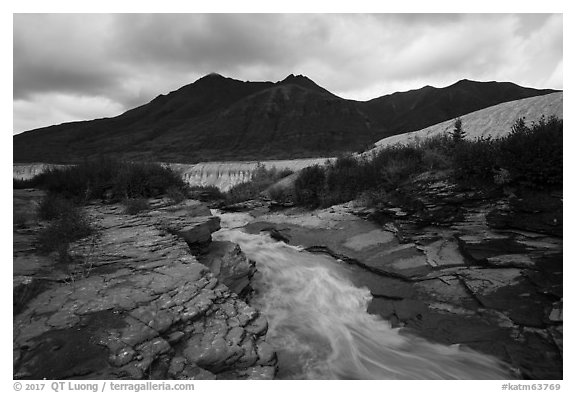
83 66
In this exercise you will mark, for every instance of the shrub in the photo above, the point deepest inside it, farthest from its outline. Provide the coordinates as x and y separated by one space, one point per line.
531 156
437 152
476 159
134 206
206 193
175 195
53 206
105 178
145 180
309 186
70 226
262 178
534 155
19 184
281 194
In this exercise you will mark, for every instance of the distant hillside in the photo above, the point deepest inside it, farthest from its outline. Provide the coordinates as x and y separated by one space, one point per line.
223 119
496 120
399 113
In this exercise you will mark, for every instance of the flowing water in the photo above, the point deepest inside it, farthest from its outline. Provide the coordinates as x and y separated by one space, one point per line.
319 325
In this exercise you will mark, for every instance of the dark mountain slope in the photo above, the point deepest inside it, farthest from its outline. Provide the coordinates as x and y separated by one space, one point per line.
218 118
286 121
416 109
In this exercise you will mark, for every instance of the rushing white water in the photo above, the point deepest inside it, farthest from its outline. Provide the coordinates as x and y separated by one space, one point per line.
319 325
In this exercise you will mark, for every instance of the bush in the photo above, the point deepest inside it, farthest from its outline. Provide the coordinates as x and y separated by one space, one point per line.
175 195
54 206
309 185
437 152
280 194
529 156
476 160
70 226
533 155
106 178
262 178
134 206
20 184
206 193
145 180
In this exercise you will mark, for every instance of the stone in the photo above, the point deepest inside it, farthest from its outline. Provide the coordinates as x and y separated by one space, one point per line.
211 355
258 326
266 354
506 290
229 265
521 261
176 336
235 335
556 314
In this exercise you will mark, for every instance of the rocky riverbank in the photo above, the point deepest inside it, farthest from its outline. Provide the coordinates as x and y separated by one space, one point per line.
154 297
454 266
149 297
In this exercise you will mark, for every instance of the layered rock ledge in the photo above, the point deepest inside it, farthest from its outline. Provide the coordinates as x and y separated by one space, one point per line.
454 267
136 303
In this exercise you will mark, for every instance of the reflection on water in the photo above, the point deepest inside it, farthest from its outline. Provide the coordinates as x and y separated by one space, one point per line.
319 325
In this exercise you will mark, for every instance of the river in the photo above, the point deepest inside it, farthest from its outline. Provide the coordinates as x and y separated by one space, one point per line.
320 327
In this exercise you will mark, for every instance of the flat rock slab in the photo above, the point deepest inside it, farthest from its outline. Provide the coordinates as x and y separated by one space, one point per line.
144 301
479 248
447 289
443 252
381 286
368 240
343 234
508 291
405 260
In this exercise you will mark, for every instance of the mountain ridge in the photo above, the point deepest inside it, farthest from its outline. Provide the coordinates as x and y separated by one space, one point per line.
222 118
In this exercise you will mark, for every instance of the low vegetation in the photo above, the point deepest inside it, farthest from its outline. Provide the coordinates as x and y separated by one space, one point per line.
20 184
109 179
206 193
529 157
67 224
262 178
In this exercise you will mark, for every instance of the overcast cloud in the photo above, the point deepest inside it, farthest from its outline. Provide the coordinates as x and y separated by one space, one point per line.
82 66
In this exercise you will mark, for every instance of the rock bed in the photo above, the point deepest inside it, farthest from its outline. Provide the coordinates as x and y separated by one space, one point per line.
137 304
447 272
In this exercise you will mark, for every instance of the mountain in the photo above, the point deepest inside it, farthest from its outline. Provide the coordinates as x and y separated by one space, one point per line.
416 109
218 119
495 121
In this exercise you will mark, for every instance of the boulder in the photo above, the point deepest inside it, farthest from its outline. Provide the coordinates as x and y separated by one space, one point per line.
229 264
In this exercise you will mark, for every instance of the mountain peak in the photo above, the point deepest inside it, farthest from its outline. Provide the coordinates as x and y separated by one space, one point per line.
293 78
213 75
211 78
303 81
